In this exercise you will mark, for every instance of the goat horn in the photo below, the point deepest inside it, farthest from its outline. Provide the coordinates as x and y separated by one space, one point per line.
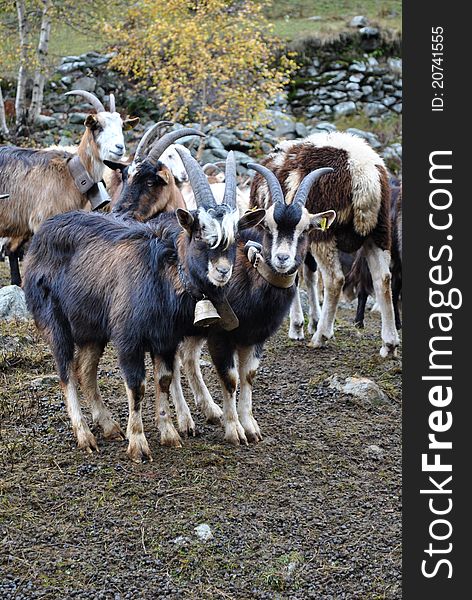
229 197
169 138
307 183
272 181
94 101
111 102
150 135
200 186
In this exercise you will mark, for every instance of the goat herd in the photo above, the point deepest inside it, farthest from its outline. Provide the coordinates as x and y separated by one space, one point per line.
166 268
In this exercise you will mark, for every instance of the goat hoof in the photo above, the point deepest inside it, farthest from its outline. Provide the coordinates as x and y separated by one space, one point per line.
234 434
171 440
388 351
296 332
251 429
318 343
213 414
186 426
113 432
86 441
359 324
138 449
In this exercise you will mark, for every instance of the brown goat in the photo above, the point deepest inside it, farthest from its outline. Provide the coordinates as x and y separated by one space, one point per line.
39 181
359 192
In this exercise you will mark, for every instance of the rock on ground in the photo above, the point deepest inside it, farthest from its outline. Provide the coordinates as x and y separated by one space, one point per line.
13 303
203 532
360 387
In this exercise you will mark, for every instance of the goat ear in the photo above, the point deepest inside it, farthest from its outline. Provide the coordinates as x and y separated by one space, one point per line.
185 219
164 174
90 121
251 218
322 220
130 122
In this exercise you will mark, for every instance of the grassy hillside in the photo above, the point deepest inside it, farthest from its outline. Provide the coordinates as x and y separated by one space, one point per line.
291 19
294 19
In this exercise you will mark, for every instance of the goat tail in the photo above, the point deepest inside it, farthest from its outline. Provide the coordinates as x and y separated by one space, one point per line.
51 321
358 278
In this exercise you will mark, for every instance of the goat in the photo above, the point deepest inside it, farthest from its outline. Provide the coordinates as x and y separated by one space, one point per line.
40 182
172 159
358 279
359 193
162 192
93 278
260 294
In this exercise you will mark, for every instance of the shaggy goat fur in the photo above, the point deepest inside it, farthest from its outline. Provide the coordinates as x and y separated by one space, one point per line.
359 192
91 279
40 184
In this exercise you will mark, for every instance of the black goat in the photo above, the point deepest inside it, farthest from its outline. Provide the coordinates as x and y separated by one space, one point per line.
260 293
92 278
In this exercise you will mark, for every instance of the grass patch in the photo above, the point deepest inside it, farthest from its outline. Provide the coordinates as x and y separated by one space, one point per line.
387 129
293 19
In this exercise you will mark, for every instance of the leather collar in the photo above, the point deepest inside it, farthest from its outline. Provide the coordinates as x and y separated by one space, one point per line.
188 287
280 280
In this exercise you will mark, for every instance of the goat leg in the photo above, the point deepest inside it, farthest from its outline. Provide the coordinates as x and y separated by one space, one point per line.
185 423
223 356
248 363
190 352
163 371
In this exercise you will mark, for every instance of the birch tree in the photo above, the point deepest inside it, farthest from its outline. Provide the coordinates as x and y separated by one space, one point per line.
23 35
42 54
3 121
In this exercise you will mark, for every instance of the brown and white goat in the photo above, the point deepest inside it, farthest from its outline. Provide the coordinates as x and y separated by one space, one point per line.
164 197
39 182
359 192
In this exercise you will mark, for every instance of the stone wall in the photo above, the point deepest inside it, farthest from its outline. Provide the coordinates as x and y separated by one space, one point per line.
340 88
334 80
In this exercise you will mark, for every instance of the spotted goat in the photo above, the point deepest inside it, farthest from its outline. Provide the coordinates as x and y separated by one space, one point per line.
359 192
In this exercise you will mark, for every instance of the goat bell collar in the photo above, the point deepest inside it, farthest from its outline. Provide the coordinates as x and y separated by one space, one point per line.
205 313
95 191
280 280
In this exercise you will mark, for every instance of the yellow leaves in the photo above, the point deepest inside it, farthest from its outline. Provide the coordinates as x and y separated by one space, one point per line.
208 59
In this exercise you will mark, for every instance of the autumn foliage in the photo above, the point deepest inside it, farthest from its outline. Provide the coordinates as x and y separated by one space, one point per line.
205 60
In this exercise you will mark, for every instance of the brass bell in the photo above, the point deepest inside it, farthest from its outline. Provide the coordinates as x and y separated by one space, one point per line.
205 313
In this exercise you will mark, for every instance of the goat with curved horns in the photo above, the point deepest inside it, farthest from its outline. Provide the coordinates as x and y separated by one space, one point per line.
359 191
40 182
260 294
151 189
91 279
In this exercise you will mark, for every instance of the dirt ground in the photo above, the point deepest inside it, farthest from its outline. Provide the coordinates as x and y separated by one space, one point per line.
313 511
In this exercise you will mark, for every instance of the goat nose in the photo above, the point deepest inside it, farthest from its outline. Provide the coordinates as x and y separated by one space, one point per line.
223 270
119 146
282 258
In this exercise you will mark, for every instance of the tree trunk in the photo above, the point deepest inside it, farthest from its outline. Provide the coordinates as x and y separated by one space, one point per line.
42 53
20 101
3 121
